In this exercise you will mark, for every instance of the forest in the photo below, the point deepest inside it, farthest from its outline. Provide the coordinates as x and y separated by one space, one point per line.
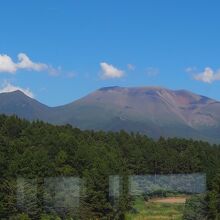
40 163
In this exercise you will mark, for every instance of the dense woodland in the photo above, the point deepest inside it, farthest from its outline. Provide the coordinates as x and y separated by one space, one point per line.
36 150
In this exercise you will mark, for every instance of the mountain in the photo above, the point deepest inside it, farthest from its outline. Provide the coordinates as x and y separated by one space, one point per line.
25 107
154 111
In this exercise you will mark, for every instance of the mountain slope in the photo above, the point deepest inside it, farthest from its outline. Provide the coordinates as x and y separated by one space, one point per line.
154 111
23 106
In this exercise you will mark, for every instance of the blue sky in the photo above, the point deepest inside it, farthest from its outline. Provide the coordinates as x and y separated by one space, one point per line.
59 51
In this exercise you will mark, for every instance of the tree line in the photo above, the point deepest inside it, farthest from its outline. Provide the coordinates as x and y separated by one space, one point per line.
36 151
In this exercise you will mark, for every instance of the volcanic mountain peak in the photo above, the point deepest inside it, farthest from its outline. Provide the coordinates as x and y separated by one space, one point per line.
14 93
148 90
173 97
144 88
154 110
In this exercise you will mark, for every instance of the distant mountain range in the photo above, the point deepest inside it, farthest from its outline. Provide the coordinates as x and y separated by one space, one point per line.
153 111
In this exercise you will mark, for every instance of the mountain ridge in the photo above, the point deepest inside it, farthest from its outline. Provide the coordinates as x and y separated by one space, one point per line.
155 111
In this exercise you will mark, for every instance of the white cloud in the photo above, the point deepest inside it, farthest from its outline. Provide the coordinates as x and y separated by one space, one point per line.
7 65
110 72
131 67
152 71
71 74
207 76
8 87
191 69
26 63
54 71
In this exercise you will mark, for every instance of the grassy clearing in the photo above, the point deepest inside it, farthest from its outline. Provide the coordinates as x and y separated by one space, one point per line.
174 200
170 208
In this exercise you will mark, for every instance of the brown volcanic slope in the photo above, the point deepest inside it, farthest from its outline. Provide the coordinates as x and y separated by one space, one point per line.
154 111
